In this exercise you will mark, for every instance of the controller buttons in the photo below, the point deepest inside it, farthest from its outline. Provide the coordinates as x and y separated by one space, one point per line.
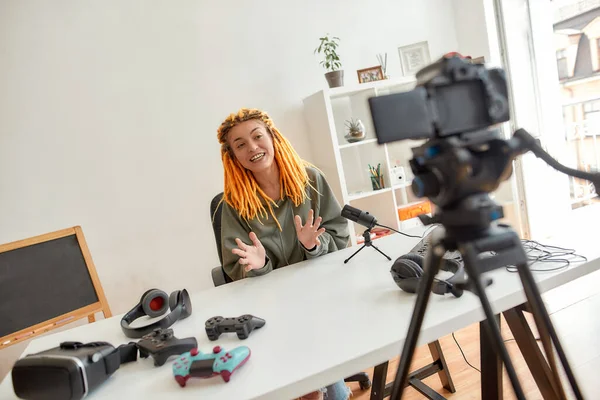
216 349
194 352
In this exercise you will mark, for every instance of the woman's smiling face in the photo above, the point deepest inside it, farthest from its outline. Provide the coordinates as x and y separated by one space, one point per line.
252 145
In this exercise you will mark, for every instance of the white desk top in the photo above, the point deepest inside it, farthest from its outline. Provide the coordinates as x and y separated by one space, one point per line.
325 320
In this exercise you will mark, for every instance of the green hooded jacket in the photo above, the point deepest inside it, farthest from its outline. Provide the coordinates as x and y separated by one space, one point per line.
283 247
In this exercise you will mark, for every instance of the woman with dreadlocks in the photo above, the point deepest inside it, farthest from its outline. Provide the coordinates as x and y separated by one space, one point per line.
277 209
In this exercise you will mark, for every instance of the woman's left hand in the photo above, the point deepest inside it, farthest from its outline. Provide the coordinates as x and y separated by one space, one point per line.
309 233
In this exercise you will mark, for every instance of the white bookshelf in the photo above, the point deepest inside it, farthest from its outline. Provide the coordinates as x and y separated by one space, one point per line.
346 164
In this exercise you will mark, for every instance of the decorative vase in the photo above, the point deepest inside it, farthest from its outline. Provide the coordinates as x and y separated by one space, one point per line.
357 132
335 78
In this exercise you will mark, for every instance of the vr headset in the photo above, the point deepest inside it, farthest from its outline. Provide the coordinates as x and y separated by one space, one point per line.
69 371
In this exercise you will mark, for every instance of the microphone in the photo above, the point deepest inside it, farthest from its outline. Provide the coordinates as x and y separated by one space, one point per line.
365 219
358 216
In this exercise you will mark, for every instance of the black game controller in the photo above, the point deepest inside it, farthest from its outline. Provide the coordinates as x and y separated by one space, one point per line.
241 325
161 344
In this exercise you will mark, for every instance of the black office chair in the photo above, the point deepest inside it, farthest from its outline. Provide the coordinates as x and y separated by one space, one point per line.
219 277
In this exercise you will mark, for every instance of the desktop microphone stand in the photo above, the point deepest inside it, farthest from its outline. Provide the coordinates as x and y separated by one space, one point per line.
368 243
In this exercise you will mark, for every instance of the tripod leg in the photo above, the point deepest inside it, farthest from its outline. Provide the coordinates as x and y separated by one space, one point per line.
432 266
385 255
545 327
355 253
493 329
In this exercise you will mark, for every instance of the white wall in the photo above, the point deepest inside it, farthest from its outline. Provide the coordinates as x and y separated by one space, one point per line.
476 29
109 110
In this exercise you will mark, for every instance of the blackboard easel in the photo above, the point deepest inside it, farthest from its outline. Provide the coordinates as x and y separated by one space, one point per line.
47 281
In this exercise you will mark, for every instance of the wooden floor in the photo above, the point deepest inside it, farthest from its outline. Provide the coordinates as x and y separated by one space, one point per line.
575 313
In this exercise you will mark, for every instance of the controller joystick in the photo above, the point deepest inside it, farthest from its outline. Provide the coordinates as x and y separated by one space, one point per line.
162 344
242 325
196 364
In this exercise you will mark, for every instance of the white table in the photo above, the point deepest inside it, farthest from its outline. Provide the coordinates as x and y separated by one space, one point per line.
325 320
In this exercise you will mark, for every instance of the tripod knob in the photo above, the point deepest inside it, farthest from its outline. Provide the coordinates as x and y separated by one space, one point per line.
425 185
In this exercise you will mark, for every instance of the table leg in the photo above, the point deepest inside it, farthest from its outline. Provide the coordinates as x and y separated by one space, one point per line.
379 378
531 353
444 374
491 366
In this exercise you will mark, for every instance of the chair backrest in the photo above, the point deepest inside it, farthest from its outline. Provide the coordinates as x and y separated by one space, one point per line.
215 217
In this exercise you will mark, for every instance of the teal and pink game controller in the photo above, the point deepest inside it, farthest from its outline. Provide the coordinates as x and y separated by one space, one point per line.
196 364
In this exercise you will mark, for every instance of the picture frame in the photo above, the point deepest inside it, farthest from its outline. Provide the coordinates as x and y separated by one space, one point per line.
371 74
413 57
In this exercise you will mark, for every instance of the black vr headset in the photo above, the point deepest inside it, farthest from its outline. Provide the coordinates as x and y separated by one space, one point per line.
70 371
154 303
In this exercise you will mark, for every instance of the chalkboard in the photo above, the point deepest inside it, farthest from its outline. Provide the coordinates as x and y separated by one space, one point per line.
46 280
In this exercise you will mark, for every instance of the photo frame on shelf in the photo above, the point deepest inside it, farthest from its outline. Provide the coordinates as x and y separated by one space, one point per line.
413 57
371 74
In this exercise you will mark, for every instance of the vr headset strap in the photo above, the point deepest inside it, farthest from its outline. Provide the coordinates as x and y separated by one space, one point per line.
123 354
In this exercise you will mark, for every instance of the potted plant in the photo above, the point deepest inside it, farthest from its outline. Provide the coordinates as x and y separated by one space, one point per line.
356 130
331 61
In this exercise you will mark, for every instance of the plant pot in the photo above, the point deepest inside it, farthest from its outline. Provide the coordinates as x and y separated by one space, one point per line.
335 78
358 134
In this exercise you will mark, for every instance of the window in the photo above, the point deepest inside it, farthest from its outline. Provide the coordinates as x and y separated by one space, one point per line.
591 115
563 67
591 109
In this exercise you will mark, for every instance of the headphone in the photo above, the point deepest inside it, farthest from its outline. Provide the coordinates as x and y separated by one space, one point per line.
407 272
153 304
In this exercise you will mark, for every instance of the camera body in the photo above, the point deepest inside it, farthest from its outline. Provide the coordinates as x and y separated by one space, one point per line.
452 97
69 371
453 107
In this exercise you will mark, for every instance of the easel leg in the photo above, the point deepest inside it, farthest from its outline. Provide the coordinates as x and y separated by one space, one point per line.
491 366
531 353
91 318
438 357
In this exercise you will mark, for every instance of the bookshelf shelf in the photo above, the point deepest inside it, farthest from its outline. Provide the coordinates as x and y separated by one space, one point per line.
346 165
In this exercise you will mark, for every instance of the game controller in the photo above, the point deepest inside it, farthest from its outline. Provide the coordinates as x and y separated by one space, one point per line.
242 325
196 364
161 344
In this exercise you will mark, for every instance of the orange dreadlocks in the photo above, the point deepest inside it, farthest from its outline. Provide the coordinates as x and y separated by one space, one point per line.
241 189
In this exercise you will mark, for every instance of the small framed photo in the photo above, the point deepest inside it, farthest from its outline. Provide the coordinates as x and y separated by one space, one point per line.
414 57
370 74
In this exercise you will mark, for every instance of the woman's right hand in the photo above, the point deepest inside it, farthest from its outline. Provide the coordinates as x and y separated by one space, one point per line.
252 256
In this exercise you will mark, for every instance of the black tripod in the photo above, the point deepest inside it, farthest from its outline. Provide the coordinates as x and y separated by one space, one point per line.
468 228
368 243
